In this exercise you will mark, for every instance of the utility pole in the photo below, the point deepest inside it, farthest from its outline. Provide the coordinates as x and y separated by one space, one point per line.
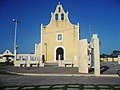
15 51
90 30
90 47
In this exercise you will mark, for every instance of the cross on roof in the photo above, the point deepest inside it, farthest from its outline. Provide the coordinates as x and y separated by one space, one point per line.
58 3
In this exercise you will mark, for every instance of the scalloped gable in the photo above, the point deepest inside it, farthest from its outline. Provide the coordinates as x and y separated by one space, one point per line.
59 9
59 15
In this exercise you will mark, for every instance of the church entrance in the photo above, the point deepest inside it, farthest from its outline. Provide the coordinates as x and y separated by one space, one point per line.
59 52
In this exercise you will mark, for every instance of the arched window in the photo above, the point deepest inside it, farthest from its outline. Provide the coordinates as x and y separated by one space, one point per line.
59 9
62 16
56 16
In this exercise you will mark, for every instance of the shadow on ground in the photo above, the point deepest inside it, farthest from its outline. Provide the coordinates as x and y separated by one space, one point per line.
102 69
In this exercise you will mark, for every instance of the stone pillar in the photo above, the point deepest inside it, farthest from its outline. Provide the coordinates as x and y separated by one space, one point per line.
29 57
96 54
21 58
118 59
17 63
83 56
28 61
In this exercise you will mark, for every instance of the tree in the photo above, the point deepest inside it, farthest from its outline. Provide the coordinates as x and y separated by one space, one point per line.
103 55
115 53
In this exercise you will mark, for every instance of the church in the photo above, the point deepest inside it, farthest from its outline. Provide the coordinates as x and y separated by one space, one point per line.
59 39
60 44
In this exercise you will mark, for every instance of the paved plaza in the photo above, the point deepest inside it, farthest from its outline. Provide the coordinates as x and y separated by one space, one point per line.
59 78
107 68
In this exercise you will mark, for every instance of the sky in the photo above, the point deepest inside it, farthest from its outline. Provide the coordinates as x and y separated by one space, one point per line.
102 15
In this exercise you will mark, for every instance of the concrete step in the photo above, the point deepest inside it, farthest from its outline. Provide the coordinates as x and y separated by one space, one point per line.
51 64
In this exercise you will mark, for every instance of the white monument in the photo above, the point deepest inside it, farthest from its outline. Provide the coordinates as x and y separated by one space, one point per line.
83 56
96 54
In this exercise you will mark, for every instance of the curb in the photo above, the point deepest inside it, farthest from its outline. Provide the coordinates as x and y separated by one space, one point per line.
82 75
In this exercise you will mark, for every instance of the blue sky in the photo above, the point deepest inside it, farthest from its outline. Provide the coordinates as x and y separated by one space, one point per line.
103 15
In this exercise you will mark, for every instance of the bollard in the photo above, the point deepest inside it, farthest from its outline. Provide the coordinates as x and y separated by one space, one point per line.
59 60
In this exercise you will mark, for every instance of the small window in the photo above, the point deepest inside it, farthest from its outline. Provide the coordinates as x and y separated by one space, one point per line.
59 37
62 16
56 16
59 9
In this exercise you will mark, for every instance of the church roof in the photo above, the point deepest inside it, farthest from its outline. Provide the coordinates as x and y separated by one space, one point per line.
7 53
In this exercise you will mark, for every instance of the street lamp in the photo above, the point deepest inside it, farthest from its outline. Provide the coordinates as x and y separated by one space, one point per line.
16 22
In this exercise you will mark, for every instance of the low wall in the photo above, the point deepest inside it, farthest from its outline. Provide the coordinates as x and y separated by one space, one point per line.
27 63
109 59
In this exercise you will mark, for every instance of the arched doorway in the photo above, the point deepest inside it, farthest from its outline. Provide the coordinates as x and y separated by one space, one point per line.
60 51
